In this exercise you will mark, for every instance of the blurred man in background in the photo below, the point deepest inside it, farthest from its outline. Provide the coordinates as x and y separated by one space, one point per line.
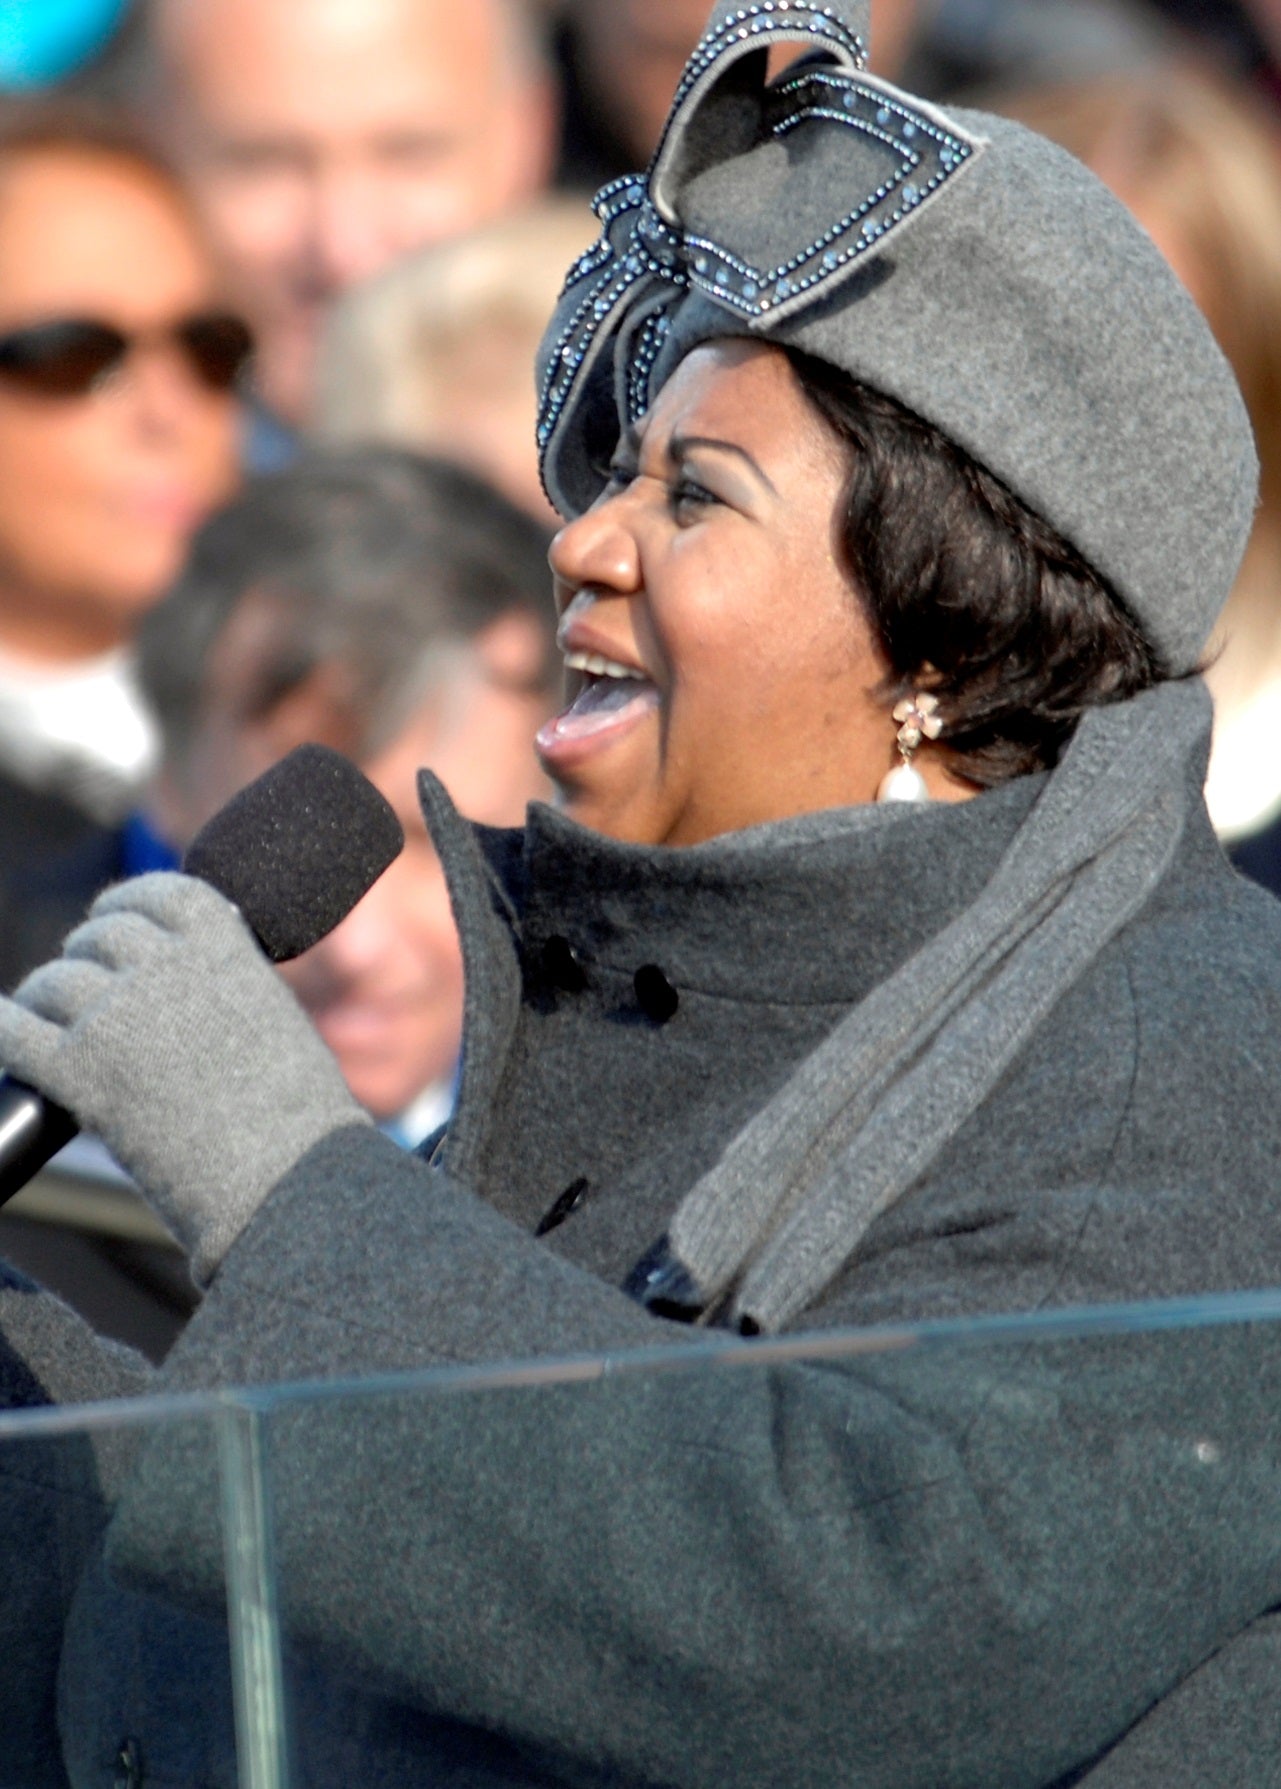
397 609
437 352
323 139
622 59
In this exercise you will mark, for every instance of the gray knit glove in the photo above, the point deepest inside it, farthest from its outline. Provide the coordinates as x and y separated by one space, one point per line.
163 1028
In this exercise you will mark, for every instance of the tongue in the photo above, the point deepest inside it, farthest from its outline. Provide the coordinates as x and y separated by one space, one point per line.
599 703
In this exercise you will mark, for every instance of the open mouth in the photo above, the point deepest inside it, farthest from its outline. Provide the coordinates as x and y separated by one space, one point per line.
608 697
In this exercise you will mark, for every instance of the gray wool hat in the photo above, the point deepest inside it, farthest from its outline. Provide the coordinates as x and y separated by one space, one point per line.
956 262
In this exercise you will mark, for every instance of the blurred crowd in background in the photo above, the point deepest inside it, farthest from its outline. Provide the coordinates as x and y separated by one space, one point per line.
272 275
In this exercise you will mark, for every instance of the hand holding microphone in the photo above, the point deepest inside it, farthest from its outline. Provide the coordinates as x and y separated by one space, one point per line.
163 1026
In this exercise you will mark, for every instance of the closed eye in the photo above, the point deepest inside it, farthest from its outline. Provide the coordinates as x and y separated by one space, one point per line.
621 468
686 496
616 476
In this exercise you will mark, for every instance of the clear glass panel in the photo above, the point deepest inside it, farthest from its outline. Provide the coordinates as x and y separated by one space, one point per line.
1016 1552
92 1671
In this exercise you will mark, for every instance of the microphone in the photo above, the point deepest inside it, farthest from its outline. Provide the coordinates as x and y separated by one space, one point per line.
294 851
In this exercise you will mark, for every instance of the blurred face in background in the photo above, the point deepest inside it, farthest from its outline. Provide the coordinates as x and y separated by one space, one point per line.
630 57
632 53
323 139
894 25
1267 14
385 988
100 491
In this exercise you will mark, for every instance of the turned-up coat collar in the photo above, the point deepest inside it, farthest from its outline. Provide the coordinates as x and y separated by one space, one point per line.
817 908
761 1233
808 909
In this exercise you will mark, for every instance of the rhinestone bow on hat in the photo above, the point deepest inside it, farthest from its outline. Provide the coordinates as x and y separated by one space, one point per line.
761 197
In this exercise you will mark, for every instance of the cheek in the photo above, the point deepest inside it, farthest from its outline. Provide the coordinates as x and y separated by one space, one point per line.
777 642
212 435
46 453
408 930
723 618
399 943
694 602
56 474
421 911
453 197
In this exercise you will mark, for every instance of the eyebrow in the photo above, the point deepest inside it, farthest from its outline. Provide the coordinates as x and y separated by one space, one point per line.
679 445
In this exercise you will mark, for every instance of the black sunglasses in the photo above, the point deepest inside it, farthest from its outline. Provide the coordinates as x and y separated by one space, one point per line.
69 357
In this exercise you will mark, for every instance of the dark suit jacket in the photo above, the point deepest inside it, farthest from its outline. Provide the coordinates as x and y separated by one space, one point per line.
53 860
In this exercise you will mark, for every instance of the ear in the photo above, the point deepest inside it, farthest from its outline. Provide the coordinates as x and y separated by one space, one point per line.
169 810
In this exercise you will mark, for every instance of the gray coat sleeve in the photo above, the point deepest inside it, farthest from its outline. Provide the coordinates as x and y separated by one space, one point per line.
932 1565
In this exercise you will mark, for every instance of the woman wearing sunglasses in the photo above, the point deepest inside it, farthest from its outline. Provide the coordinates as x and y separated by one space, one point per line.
118 435
880 966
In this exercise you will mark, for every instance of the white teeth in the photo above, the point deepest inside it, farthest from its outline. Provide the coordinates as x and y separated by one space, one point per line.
596 666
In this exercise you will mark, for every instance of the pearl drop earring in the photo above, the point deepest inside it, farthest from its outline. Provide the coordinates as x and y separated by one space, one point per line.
919 720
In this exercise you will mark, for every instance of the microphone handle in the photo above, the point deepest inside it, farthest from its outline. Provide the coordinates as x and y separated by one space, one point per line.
32 1130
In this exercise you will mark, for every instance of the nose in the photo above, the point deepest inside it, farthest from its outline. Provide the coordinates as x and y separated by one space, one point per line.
349 235
161 390
597 549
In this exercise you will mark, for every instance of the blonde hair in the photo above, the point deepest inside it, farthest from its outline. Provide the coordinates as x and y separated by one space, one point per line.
1199 162
1205 158
438 352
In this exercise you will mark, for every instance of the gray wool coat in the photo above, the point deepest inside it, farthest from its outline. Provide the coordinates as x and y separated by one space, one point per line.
1029 1565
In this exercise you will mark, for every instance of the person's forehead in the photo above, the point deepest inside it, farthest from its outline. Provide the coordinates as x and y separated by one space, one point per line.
303 58
653 25
729 385
64 217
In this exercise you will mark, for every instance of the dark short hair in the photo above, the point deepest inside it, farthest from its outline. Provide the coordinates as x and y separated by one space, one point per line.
374 556
970 593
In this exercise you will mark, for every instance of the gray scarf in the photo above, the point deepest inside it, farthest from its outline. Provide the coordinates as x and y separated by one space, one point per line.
875 1105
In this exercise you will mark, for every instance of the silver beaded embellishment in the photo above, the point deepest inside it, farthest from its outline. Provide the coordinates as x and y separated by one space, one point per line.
774 21
635 245
638 244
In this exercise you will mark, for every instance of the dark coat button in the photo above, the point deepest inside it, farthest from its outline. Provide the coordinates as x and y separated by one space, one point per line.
568 1202
664 1285
563 966
658 998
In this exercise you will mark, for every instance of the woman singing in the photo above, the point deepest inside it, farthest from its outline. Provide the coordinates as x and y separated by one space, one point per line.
879 964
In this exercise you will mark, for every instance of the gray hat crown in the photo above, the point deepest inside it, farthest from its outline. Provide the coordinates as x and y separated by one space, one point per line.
957 262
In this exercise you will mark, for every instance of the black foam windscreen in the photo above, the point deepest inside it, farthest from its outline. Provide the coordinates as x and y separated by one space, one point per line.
298 848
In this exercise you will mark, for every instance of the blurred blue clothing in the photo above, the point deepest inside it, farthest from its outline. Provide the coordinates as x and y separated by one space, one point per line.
425 1116
1258 855
142 849
45 41
266 445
